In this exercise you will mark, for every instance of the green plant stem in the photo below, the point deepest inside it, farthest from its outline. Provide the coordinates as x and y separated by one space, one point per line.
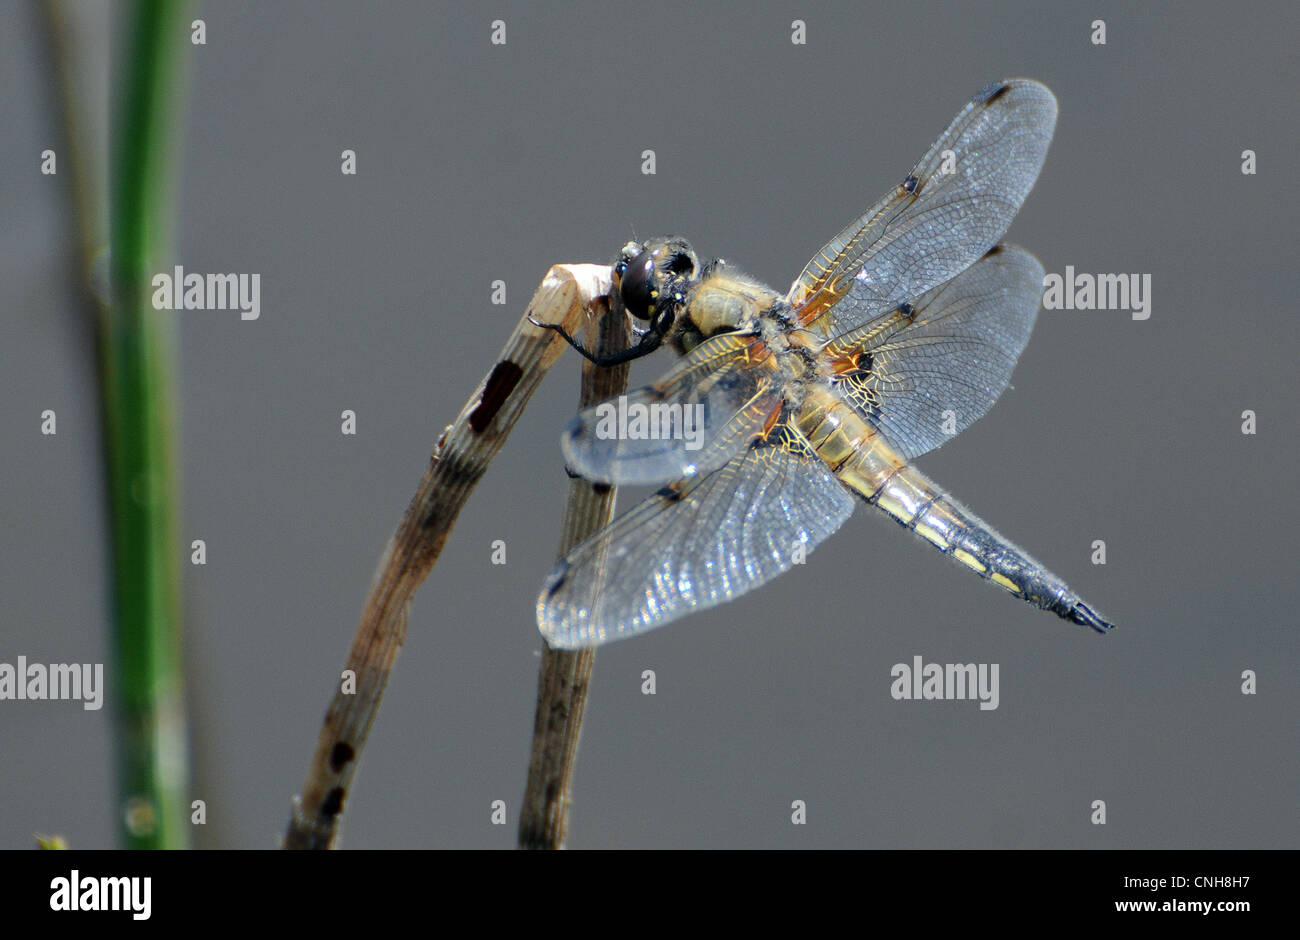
136 381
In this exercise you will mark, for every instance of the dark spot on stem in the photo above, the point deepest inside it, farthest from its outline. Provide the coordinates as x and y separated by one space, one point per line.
500 383
341 756
333 804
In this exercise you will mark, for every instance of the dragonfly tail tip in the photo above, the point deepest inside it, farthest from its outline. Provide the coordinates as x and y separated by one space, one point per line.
1081 613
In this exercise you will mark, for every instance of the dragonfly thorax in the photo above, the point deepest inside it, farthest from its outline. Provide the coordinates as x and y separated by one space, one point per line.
722 301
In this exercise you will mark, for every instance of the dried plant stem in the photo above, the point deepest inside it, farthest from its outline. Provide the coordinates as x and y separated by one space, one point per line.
565 675
568 295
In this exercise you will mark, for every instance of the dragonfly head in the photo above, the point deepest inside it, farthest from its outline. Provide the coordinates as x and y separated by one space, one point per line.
654 278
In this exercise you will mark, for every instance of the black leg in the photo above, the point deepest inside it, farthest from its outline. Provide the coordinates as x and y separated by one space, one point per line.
649 342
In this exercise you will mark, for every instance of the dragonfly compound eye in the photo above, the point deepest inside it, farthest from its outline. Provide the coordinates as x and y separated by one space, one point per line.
639 289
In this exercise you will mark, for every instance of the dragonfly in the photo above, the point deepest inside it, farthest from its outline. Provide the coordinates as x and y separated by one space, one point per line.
787 410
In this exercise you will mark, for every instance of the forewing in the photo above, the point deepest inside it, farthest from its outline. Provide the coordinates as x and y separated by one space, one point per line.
695 544
935 223
922 372
692 421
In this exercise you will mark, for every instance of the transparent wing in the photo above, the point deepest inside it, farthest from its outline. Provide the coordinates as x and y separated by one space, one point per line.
954 205
923 371
692 421
695 544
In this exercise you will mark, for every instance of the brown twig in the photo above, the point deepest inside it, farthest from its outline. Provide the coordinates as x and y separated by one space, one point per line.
564 676
568 295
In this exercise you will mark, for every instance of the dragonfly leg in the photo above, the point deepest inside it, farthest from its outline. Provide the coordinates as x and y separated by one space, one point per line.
649 342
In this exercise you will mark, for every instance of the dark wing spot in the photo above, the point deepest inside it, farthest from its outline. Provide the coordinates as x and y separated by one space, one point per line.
669 494
341 756
991 92
505 376
995 250
911 185
600 489
333 804
907 310
557 579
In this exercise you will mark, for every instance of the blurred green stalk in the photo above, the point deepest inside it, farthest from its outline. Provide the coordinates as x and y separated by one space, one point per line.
136 353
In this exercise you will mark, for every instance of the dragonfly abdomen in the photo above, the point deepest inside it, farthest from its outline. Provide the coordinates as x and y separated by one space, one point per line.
879 476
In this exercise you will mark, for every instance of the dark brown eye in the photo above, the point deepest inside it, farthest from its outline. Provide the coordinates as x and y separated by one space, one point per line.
638 286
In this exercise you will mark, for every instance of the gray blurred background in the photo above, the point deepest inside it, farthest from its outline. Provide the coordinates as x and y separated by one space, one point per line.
478 162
